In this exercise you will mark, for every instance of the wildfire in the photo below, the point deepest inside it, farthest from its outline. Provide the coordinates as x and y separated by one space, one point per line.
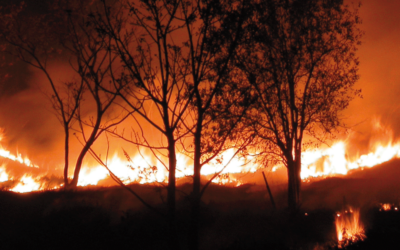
26 184
3 174
349 227
226 179
145 169
334 160
18 158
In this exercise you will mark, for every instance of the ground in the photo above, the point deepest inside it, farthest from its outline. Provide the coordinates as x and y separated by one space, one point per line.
232 217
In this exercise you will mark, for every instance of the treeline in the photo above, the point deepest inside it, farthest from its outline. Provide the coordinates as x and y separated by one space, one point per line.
262 77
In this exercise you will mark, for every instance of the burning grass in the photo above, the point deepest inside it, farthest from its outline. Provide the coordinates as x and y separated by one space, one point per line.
232 217
141 168
349 228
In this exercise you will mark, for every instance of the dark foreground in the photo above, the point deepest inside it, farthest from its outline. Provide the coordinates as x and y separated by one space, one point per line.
109 218
232 218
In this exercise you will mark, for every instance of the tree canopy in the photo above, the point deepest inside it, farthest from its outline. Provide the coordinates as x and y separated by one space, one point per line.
299 57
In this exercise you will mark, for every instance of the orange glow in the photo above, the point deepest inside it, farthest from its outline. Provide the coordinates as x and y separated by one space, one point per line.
226 179
146 169
3 174
91 176
229 163
334 160
26 184
8 155
349 227
386 207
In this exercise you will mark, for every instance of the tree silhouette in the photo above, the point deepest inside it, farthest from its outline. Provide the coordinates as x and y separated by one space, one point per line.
299 57
34 44
144 35
176 69
95 64
215 123
64 31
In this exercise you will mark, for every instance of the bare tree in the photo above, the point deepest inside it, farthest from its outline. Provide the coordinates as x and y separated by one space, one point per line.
299 58
215 124
95 65
145 37
176 56
31 38
27 37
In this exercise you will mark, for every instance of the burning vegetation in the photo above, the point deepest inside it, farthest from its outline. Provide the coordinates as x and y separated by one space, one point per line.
181 104
349 228
316 163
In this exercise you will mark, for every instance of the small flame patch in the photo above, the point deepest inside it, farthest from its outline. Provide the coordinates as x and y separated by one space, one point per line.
349 228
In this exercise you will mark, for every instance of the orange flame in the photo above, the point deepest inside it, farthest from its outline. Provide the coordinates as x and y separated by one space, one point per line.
349 227
334 161
145 169
3 174
386 207
18 158
26 184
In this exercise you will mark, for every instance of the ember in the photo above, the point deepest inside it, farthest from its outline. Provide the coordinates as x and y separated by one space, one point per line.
388 207
385 207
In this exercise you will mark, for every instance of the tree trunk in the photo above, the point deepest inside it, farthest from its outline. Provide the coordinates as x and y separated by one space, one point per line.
292 197
66 154
173 241
81 156
294 181
86 148
298 175
194 225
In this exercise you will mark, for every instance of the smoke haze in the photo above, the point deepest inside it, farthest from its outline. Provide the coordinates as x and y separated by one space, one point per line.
31 127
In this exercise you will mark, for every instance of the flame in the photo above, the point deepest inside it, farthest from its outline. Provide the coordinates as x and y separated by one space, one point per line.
3 174
226 179
6 154
385 207
349 227
334 160
91 176
143 169
388 207
324 162
26 184
146 169
228 163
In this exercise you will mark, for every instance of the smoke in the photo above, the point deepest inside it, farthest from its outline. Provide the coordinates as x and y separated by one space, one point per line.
379 75
31 127
25 116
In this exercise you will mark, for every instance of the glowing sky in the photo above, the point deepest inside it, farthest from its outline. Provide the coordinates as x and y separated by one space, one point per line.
27 118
